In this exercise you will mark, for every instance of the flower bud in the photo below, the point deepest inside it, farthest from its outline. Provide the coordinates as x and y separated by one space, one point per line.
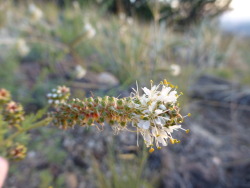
17 152
58 95
4 96
13 113
119 102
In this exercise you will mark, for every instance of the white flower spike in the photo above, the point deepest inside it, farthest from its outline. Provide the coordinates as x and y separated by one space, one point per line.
155 114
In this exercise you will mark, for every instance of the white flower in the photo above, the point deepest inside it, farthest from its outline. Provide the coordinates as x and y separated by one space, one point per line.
151 107
130 20
160 137
164 92
156 120
175 69
144 100
162 107
152 93
80 72
160 120
22 47
144 124
90 31
158 111
170 129
175 4
171 97
36 13
122 16
147 137
76 5
57 101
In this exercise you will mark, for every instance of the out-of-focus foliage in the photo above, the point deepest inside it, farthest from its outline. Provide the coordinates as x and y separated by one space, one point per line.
44 41
180 13
14 126
130 174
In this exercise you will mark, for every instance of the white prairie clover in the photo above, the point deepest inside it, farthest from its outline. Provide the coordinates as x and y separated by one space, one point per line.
90 30
22 47
155 114
175 69
36 13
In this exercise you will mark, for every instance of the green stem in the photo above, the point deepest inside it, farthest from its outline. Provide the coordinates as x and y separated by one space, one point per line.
36 125
77 41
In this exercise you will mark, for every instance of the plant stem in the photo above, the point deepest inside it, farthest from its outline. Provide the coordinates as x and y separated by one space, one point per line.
36 125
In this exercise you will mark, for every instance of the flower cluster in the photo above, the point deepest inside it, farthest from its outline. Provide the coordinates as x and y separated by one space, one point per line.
35 13
4 96
17 152
13 113
22 47
89 30
175 69
155 114
79 72
90 111
58 95
159 114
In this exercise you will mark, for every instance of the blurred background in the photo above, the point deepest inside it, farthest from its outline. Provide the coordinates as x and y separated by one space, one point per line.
103 47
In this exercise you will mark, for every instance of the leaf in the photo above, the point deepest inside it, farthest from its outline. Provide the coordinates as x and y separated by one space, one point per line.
30 119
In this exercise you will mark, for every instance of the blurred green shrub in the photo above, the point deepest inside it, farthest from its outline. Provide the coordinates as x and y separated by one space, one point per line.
14 125
179 13
124 170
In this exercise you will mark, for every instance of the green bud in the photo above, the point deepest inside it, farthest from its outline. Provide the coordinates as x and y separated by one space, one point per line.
104 114
105 99
128 99
179 119
81 117
90 122
111 122
103 104
123 124
126 107
101 120
90 99
98 100
111 99
137 101
173 112
120 102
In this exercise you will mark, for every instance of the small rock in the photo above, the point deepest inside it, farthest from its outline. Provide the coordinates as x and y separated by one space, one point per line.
107 79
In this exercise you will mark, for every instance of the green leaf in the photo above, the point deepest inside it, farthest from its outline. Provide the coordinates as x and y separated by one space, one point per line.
30 119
